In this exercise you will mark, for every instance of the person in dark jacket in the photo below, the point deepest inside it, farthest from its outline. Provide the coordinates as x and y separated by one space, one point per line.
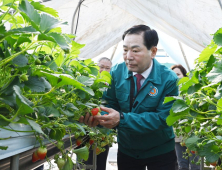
104 64
135 105
183 164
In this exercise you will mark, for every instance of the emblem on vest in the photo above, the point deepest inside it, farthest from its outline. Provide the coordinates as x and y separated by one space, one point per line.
153 92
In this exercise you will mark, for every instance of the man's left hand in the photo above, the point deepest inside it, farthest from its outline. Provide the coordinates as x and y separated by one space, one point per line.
109 121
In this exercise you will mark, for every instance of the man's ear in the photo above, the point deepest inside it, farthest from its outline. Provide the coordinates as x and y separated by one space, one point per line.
153 51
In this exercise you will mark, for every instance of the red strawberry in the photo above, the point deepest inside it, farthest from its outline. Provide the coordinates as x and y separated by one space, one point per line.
91 141
42 151
35 156
78 142
193 152
214 163
98 151
95 111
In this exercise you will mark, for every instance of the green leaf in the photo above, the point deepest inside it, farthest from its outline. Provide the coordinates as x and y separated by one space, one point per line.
88 61
186 85
48 22
30 11
35 126
21 40
218 37
75 48
183 80
52 65
71 107
36 84
67 112
206 152
194 88
79 125
59 60
20 61
195 77
94 70
43 37
68 165
66 79
3 122
3 147
215 75
52 78
76 64
191 142
172 119
179 106
171 98
207 52
218 94
6 2
9 100
89 90
43 8
23 121
25 30
219 105
212 157
85 80
22 101
50 111
60 40
82 153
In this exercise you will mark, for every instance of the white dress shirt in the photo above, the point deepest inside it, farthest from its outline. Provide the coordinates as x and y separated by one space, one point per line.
145 74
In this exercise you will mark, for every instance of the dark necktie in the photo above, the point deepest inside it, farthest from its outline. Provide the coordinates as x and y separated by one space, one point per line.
138 78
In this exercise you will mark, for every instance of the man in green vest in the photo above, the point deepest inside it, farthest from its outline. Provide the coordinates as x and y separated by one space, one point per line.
135 105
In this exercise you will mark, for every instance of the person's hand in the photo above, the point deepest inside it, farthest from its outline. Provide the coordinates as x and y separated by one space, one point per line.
89 120
109 121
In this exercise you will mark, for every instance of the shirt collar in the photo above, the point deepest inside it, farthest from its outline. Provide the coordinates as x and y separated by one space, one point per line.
147 72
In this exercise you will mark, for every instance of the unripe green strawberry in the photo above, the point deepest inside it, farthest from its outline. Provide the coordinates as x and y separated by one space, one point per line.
60 144
37 61
24 77
47 58
60 163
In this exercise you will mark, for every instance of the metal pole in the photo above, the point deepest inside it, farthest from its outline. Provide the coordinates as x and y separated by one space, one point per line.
202 163
14 162
220 3
73 18
94 157
114 51
184 56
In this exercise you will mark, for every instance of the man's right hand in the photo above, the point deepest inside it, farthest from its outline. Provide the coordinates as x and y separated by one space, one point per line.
88 120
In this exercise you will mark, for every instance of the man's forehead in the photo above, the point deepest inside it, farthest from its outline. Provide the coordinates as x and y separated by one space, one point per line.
105 63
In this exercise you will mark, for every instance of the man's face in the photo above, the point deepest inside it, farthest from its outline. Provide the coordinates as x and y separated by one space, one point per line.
104 65
136 56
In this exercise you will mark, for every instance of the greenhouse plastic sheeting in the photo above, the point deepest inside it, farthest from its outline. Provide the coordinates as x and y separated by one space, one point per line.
101 23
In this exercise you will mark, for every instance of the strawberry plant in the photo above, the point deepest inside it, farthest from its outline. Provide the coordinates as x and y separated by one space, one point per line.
197 113
43 83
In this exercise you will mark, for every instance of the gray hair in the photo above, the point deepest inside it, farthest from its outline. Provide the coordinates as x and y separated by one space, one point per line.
105 58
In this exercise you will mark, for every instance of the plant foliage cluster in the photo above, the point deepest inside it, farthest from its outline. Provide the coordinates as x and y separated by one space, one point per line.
43 84
197 113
